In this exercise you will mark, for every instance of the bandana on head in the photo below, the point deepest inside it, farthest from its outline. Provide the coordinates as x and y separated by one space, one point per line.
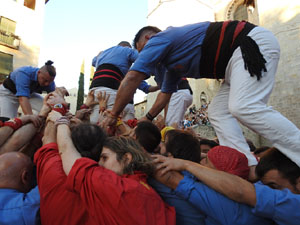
229 160
164 131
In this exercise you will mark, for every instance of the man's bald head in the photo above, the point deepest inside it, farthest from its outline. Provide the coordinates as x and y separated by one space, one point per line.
15 171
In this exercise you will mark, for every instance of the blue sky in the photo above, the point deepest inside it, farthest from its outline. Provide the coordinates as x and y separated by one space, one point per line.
77 30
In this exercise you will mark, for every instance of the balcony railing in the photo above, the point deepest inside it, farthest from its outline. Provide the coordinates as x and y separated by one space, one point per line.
9 39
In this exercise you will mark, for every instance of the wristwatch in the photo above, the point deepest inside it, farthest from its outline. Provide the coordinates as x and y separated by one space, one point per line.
58 106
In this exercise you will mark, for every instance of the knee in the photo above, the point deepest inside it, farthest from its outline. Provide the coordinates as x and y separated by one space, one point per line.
237 110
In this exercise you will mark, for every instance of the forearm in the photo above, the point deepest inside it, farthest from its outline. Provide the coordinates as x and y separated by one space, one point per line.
153 88
227 184
161 101
49 133
25 105
20 137
126 90
166 110
5 133
66 148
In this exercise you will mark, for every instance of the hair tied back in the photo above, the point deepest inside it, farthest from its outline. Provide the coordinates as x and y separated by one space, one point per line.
49 63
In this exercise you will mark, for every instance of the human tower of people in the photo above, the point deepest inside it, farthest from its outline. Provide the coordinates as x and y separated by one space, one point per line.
103 166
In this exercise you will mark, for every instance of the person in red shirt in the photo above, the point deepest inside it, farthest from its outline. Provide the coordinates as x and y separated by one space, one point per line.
58 204
115 191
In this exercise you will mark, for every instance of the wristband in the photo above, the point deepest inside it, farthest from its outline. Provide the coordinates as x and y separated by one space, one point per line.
15 124
62 109
62 120
132 123
149 116
84 106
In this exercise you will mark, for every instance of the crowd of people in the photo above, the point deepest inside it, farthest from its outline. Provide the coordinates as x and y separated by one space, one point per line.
196 116
104 166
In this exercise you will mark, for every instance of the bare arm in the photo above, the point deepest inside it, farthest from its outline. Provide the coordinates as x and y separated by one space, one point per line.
68 152
153 88
160 103
125 93
49 133
21 137
227 184
126 90
25 105
5 133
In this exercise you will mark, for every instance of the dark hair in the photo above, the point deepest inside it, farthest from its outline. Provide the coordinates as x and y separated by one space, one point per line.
140 160
261 150
148 135
183 145
274 159
251 145
208 142
49 68
141 31
125 44
88 140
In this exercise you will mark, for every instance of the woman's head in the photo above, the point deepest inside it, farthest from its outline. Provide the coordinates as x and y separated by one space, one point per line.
88 139
124 156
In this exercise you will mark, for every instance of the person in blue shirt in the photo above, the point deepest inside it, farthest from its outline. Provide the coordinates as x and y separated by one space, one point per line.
19 204
275 197
180 144
244 55
22 88
111 66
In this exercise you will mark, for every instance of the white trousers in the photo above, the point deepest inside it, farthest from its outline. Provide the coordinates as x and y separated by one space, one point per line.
243 98
178 105
127 112
9 103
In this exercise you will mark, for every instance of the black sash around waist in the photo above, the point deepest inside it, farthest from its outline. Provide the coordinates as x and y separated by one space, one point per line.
107 75
220 41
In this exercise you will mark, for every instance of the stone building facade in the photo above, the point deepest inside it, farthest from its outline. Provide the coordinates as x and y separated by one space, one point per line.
21 26
280 17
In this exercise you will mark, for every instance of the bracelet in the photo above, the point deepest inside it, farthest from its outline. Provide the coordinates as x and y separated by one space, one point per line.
62 120
61 108
84 106
15 124
119 122
149 116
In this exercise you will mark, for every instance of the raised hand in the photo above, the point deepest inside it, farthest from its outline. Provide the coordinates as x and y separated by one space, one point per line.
102 100
90 99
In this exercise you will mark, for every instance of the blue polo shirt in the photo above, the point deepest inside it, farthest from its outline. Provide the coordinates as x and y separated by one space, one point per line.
282 206
144 86
177 50
119 56
19 208
186 213
25 79
217 208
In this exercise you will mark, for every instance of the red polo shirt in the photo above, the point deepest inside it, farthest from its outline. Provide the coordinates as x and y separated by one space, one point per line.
113 199
58 205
